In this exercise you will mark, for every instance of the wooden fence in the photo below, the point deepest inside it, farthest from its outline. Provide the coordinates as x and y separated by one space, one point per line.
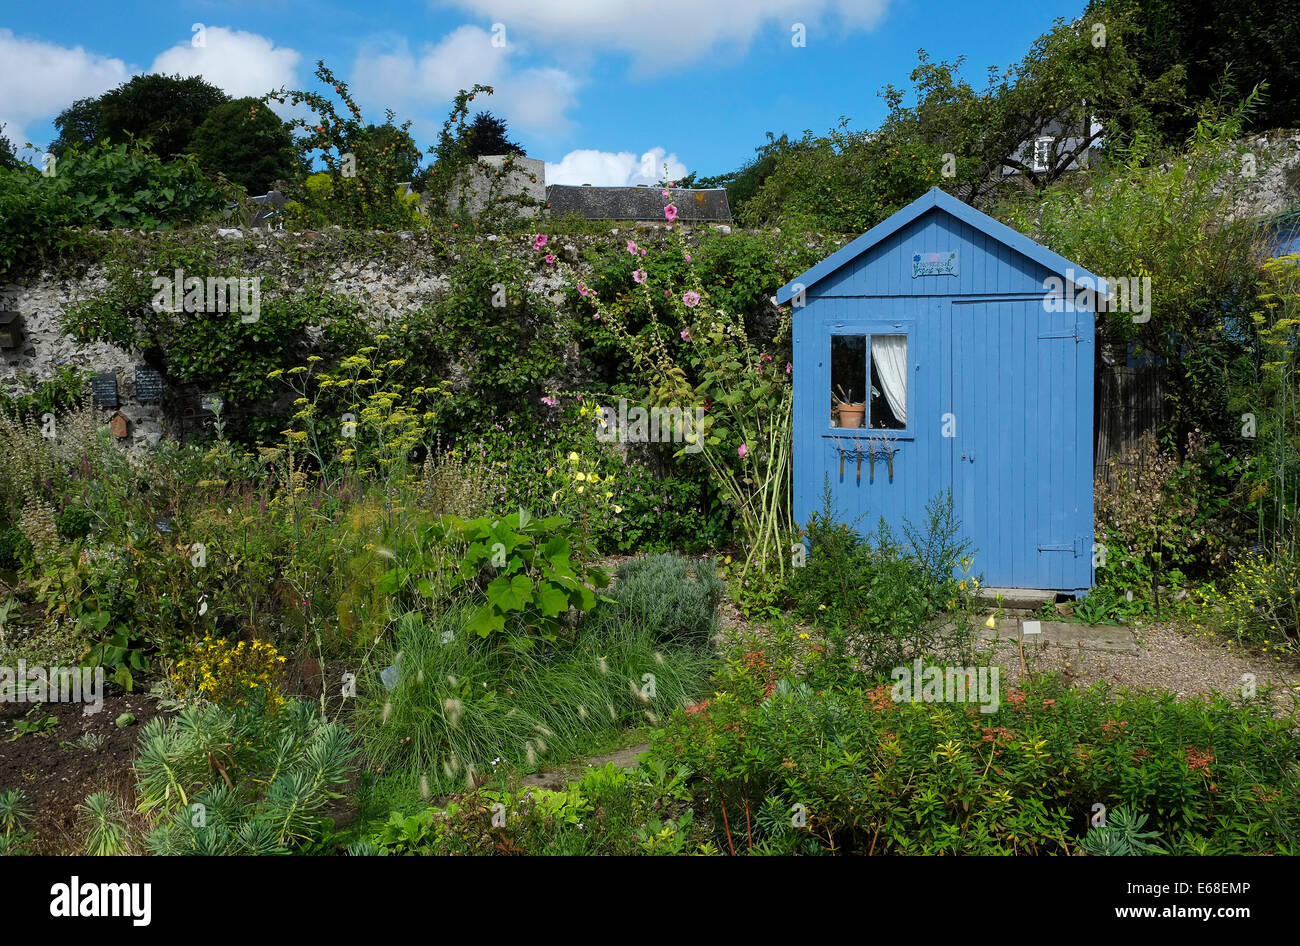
1129 403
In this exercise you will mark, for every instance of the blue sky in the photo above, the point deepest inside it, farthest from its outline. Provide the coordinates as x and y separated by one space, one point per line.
605 91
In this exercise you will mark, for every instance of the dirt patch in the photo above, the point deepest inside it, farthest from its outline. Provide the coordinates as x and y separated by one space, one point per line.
59 765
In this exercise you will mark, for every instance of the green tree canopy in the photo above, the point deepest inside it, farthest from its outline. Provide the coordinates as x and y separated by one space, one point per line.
1214 53
487 135
248 143
1079 83
161 110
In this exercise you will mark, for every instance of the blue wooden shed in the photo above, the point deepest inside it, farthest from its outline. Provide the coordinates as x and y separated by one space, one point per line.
940 351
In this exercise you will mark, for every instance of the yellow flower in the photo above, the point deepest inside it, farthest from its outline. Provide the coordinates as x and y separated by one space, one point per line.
991 622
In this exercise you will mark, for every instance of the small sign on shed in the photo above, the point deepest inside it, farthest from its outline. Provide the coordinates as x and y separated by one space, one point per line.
103 389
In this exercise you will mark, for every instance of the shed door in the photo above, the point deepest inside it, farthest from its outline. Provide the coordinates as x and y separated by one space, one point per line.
1017 472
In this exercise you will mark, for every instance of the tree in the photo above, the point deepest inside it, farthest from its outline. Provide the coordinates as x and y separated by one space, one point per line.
161 110
1217 51
388 145
248 143
1076 85
363 163
1168 220
78 126
742 183
8 152
487 135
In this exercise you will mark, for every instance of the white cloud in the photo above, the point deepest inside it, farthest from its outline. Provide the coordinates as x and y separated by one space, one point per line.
238 62
670 32
40 79
607 168
388 74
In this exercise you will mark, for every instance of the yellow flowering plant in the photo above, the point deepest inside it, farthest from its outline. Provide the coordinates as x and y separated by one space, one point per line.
230 674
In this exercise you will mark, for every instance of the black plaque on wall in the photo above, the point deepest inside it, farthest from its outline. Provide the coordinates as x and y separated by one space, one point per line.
148 385
103 388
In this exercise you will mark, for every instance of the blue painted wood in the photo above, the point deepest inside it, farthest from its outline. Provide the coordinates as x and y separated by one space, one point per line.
988 361
980 232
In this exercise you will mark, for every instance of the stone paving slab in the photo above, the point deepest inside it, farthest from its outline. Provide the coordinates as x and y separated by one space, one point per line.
1108 637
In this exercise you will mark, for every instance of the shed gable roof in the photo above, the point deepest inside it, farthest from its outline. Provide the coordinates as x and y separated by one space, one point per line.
940 200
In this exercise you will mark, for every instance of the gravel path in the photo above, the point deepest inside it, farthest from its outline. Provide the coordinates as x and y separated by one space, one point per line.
1168 659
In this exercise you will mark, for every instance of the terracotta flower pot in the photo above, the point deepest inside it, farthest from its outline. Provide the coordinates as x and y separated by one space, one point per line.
851 415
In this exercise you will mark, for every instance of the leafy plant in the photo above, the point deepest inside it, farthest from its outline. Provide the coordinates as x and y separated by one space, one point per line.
1121 836
875 601
675 596
241 781
15 820
103 821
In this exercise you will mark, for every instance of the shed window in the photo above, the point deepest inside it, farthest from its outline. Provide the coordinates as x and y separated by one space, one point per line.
869 381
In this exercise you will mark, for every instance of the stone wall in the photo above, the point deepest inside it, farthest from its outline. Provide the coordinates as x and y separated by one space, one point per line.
489 179
390 274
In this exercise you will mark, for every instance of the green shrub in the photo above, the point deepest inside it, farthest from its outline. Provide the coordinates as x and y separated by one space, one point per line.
877 601
15 822
240 781
1121 836
15 549
248 143
609 811
36 219
74 522
854 771
673 596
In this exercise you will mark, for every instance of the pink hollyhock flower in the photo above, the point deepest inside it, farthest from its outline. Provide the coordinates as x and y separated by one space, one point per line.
540 241
788 367
642 252
668 293
686 335
639 275
767 357
692 299
742 450
550 259
596 316
550 402
688 257
582 290
631 247
672 183
670 212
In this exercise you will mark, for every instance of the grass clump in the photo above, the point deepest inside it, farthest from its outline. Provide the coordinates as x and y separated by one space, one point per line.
450 708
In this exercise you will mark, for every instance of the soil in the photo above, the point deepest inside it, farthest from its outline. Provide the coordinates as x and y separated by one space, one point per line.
56 774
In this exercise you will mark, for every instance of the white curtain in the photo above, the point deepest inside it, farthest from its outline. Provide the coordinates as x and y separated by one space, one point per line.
889 355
